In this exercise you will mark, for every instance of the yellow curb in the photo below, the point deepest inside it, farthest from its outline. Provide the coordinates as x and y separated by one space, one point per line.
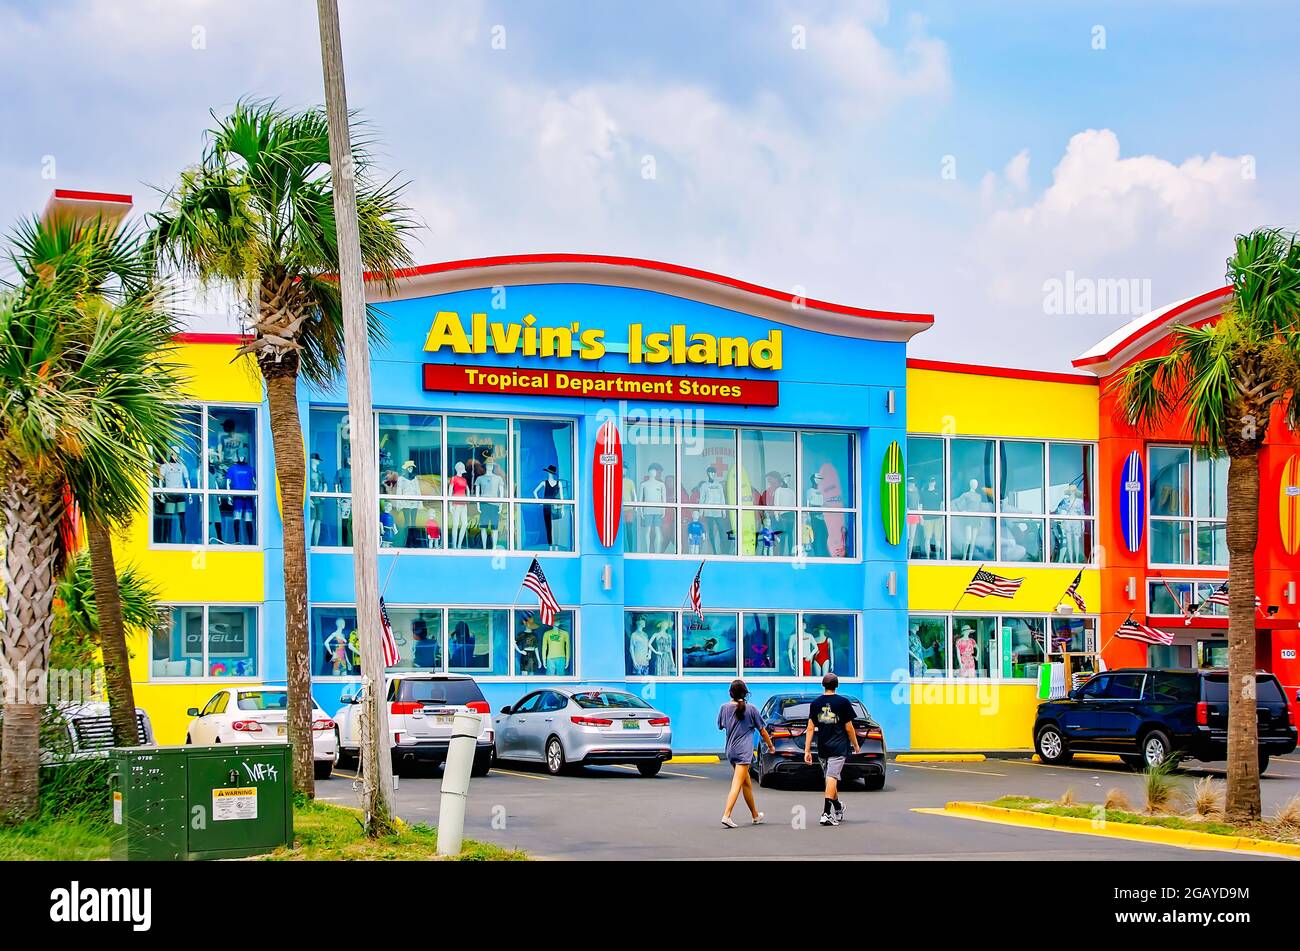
1085 758
940 758
1154 835
687 760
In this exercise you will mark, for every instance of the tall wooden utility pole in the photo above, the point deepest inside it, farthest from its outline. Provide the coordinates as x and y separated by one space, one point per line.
376 764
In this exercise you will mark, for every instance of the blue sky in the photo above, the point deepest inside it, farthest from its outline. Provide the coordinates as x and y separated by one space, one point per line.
950 157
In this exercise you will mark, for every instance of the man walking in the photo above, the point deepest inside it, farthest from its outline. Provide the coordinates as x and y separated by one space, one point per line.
832 717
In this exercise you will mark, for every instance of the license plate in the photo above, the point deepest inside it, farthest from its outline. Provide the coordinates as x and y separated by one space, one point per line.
631 724
279 731
443 719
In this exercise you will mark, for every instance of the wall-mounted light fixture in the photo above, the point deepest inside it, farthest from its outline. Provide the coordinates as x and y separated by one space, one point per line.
1290 592
891 583
889 402
1131 588
607 577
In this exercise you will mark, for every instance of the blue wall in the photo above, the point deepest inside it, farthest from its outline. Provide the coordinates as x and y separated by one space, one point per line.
826 381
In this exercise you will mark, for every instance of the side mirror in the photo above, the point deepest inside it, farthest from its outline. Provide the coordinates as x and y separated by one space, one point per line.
505 711
347 698
192 712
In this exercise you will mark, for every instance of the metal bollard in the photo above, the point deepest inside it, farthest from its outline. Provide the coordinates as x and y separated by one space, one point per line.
455 782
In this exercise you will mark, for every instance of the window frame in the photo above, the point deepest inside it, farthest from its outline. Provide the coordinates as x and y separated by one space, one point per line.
999 617
1047 519
256 677
205 492
512 505
1216 612
512 673
1191 519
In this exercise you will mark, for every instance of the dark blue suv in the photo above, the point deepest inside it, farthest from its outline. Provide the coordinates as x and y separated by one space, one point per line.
1146 715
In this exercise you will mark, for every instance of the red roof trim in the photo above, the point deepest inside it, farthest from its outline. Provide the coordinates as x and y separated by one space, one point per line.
230 339
73 195
1011 373
1163 319
619 261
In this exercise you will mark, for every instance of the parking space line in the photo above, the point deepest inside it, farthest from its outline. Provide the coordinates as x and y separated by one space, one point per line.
946 769
662 772
511 772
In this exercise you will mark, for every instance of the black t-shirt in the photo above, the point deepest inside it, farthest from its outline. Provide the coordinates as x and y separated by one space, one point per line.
830 712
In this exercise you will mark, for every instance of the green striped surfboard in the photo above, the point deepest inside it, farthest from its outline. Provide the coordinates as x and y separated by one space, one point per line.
891 494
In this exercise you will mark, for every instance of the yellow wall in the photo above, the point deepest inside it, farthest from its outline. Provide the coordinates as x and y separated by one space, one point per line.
968 404
950 715
938 588
198 575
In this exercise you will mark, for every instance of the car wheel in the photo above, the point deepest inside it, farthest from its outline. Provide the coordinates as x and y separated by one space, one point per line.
483 762
324 768
1263 763
1155 749
555 756
873 783
649 769
1051 745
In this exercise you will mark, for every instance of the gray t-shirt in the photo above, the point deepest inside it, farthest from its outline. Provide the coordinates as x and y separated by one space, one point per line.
740 730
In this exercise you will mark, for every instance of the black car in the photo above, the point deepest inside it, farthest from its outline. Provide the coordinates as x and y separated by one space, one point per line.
1145 715
786 717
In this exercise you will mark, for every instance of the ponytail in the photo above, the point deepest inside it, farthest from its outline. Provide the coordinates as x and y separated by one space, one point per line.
738 693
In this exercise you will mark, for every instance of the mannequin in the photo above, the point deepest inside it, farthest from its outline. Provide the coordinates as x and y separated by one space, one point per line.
716 524
969 501
432 530
780 497
527 647
823 651
653 490
694 533
408 509
913 521
968 652
765 538
343 484
458 524
1071 532
638 648
315 483
798 653
817 520
231 443
336 649
549 488
629 514
387 525
489 485
932 528
555 651
461 646
662 649
914 651
240 477
172 474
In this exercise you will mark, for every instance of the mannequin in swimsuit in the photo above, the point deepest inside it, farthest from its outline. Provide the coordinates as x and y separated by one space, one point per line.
549 488
458 523
823 651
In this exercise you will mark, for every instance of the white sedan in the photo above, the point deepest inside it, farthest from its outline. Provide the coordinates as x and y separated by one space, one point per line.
259 715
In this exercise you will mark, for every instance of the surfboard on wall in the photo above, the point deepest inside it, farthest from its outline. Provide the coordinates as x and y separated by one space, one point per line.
607 484
1288 505
891 494
1132 501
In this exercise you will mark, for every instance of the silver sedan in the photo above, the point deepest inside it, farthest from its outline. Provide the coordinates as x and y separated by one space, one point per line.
562 727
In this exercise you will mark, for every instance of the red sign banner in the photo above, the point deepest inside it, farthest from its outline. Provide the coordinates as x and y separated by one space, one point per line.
458 378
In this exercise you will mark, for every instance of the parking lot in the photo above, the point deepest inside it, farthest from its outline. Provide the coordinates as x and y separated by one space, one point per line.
613 813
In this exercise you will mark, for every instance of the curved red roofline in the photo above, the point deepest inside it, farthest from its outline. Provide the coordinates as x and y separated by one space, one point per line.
1163 320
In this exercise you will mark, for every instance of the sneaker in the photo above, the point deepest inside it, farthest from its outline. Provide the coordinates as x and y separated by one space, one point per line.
826 819
839 808
729 822
758 819
836 818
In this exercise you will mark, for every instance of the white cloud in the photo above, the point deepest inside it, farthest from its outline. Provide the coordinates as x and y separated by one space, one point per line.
1017 170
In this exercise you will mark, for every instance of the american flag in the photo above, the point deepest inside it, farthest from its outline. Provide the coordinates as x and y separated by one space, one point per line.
1072 592
1134 631
986 582
697 605
390 643
1221 597
535 582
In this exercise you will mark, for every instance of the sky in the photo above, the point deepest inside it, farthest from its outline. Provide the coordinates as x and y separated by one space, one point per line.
1035 173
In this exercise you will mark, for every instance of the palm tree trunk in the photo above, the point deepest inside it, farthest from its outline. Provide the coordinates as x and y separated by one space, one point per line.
1242 802
291 471
31 539
112 635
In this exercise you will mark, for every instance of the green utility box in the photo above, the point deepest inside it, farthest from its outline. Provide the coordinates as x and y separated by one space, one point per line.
201 802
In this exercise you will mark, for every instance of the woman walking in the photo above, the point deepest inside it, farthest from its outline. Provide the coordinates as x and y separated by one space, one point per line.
740 719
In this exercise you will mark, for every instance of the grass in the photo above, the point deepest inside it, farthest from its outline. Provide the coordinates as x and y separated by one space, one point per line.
1268 830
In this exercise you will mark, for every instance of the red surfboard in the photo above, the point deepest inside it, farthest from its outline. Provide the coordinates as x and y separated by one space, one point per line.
607 482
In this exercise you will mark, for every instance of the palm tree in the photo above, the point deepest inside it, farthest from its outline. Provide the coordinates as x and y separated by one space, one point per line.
76 623
75 377
257 212
97 260
1223 381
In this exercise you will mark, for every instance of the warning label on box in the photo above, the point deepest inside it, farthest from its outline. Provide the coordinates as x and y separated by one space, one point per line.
117 808
232 804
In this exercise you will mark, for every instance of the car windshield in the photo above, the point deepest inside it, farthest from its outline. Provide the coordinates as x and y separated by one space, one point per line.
262 700
456 692
608 699
795 708
1266 690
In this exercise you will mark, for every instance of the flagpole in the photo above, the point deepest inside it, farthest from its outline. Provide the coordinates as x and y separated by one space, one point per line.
389 577
1113 635
967 585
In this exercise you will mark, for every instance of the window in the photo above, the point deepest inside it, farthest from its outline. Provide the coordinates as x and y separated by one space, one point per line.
1006 647
1168 598
206 641
1174 688
204 491
484 642
661 643
1189 506
999 500
450 483
719 492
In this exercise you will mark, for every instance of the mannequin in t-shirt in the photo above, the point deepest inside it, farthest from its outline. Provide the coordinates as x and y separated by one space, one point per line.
172 474
781 497
555 651
240 477
406 507
527 646
716 524
343 483
432 530
489 485
652 489
457 508
972 500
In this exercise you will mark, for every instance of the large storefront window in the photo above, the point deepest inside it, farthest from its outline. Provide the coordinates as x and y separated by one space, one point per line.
484 642
204 491
1005 647
206 641
794 645
450 483
1189 506
717 492
999 500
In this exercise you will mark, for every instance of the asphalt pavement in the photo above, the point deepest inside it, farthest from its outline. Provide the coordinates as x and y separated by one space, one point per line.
614 813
